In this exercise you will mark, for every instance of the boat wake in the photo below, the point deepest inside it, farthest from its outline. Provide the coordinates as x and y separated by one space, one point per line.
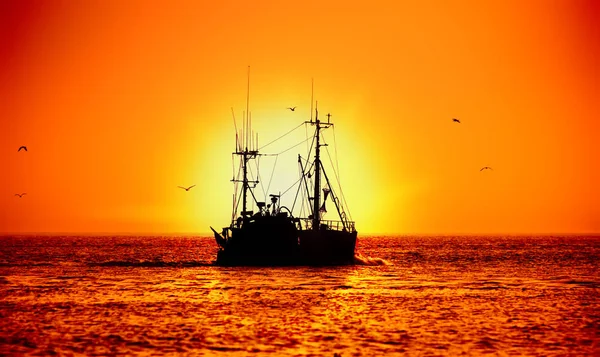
360 259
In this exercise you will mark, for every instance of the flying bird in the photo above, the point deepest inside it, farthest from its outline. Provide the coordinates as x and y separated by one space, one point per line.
486 168
21 195
456 120
186 188
292 109
22 148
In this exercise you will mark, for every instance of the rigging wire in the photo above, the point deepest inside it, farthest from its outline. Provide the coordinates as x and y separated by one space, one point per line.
296 197
337 162
234 183
271 179
338 174
292 186
344 205
305 160
235 188
289 188
299 187
236 130
306 133
305 195
311 147
250 189
275 164
259 178
290 148
262 147
237 206
236 200
310 183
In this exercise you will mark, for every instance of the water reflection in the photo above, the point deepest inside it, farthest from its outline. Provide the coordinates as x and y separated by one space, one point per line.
439 296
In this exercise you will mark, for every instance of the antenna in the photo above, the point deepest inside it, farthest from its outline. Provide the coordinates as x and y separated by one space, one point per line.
312 92
248 104
236 131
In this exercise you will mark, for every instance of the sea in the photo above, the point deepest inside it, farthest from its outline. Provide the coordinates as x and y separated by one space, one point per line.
405 296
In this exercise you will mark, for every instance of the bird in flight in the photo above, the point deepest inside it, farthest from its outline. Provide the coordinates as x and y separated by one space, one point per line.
21 195
456 120
186 188
486 168
292 109
22 148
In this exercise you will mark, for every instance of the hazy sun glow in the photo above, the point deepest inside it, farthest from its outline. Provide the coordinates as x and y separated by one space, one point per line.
121 102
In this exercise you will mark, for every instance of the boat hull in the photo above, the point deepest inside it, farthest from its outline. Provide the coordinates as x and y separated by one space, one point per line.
261 241
327 247
282 244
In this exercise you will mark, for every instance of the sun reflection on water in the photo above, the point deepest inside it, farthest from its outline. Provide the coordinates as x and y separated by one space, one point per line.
436 296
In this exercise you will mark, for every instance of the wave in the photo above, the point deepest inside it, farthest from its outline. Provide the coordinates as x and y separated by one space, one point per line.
151 264
25 264
360 259
585 283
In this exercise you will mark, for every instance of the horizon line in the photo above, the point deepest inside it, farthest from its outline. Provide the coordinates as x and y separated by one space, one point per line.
367 234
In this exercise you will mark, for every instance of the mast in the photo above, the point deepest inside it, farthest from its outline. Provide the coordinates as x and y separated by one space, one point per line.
316 213
245 140
245 155
245 181
317 190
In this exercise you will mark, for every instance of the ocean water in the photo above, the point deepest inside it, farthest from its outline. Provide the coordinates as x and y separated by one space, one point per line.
407 295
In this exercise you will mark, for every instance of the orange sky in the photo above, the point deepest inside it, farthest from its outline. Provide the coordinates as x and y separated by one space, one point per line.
119 102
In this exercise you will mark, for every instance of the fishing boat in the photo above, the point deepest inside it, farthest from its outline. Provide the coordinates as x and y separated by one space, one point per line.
272 235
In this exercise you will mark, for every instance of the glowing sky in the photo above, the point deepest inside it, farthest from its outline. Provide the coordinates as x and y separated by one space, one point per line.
119 102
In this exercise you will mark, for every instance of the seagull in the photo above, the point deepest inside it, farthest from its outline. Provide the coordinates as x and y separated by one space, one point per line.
456 120
292 109
22 148
21 195
186 188
486 168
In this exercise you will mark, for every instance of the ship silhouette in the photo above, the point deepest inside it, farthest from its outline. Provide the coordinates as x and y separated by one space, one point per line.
273 235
